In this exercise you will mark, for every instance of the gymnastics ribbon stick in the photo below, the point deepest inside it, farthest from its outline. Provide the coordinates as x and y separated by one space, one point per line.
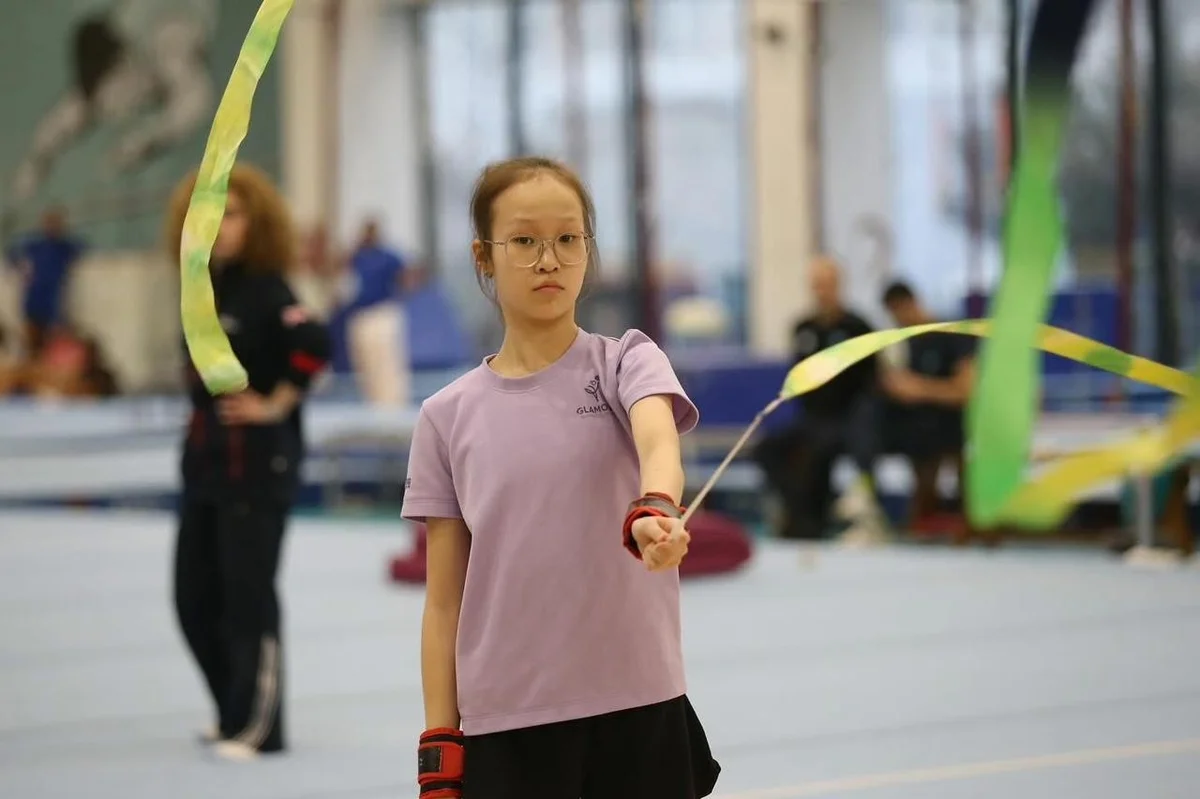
207 343
1001 412
1053 494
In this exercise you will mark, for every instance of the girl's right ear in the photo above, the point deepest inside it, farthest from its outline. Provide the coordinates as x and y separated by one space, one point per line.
479 253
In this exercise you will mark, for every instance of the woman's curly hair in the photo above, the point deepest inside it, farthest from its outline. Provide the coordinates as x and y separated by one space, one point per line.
270 237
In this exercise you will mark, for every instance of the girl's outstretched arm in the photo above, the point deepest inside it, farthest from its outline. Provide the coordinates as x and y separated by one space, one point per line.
656 437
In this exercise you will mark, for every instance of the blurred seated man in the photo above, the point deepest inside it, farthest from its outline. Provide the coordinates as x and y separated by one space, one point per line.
923 417
838 418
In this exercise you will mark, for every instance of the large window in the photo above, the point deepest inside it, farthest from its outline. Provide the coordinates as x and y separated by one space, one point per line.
554 81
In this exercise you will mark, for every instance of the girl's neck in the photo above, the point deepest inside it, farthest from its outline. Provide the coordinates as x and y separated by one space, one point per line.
529 348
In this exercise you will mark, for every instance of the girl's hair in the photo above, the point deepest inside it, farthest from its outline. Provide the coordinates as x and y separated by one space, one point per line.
500 176
270 237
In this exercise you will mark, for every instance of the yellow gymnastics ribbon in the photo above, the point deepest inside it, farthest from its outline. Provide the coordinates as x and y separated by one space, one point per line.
207 343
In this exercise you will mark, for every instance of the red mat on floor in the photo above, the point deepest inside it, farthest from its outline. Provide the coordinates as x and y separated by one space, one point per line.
719 545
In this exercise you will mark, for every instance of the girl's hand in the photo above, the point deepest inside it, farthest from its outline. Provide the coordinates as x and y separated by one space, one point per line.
247 408
662 541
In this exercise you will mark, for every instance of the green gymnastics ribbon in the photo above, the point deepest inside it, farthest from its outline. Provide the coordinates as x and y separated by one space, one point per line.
207 343
1001 414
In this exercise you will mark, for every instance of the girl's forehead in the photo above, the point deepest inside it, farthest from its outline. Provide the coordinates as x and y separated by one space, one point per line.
539 199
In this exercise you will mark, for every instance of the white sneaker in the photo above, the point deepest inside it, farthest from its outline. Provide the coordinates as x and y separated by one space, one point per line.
868 525
865 534
234 750
854 503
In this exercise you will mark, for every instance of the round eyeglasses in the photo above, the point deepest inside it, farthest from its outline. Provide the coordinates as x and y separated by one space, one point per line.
525 252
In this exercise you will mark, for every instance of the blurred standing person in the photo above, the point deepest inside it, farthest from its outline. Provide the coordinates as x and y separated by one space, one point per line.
241 466
45 260
376 324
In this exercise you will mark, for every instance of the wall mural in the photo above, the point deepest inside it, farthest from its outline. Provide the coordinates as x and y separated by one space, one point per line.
117 99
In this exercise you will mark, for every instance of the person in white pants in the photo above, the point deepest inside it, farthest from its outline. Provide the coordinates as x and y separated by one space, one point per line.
376 324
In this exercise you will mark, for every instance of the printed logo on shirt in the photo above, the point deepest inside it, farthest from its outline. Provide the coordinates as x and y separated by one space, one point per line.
598 403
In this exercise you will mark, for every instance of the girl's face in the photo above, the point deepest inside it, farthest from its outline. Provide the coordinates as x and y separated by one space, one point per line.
231 238
544 215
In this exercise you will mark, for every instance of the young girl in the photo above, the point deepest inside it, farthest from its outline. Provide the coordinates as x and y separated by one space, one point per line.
549 479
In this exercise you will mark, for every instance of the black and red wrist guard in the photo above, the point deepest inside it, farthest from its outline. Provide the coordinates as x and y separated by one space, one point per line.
652 504
440 764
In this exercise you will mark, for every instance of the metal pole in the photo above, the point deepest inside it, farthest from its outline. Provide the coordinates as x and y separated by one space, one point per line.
333 12
419 26
971 144
513 73
1012 98
639 178
1166 284
1126 178
574 86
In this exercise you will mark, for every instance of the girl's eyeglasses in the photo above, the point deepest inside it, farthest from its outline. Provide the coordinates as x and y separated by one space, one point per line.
525 252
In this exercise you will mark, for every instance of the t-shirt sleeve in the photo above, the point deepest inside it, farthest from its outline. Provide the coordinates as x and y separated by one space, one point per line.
429 487
645 371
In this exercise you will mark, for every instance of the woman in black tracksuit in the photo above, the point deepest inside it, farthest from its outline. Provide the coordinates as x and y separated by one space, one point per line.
241 468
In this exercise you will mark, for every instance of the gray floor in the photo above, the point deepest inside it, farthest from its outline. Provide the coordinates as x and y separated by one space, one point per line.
895 674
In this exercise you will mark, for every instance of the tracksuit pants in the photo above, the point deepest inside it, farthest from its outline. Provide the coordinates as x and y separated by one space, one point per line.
226 561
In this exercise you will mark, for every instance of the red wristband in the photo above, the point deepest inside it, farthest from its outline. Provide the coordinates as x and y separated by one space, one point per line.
650 504
440 763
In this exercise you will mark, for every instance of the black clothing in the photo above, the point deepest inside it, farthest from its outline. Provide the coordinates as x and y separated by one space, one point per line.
275 341
655 752
239 482
835 398
226 560
929 435
929 430
798 462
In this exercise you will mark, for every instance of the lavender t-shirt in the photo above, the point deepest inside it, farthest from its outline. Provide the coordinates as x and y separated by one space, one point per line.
558 620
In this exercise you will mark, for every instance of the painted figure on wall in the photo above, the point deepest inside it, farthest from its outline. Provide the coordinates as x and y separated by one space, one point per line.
139 66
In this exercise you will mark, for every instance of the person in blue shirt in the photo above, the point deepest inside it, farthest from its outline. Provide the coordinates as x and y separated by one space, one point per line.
376 325
45 260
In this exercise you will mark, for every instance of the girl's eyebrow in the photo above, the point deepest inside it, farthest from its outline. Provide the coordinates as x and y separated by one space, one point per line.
560 217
